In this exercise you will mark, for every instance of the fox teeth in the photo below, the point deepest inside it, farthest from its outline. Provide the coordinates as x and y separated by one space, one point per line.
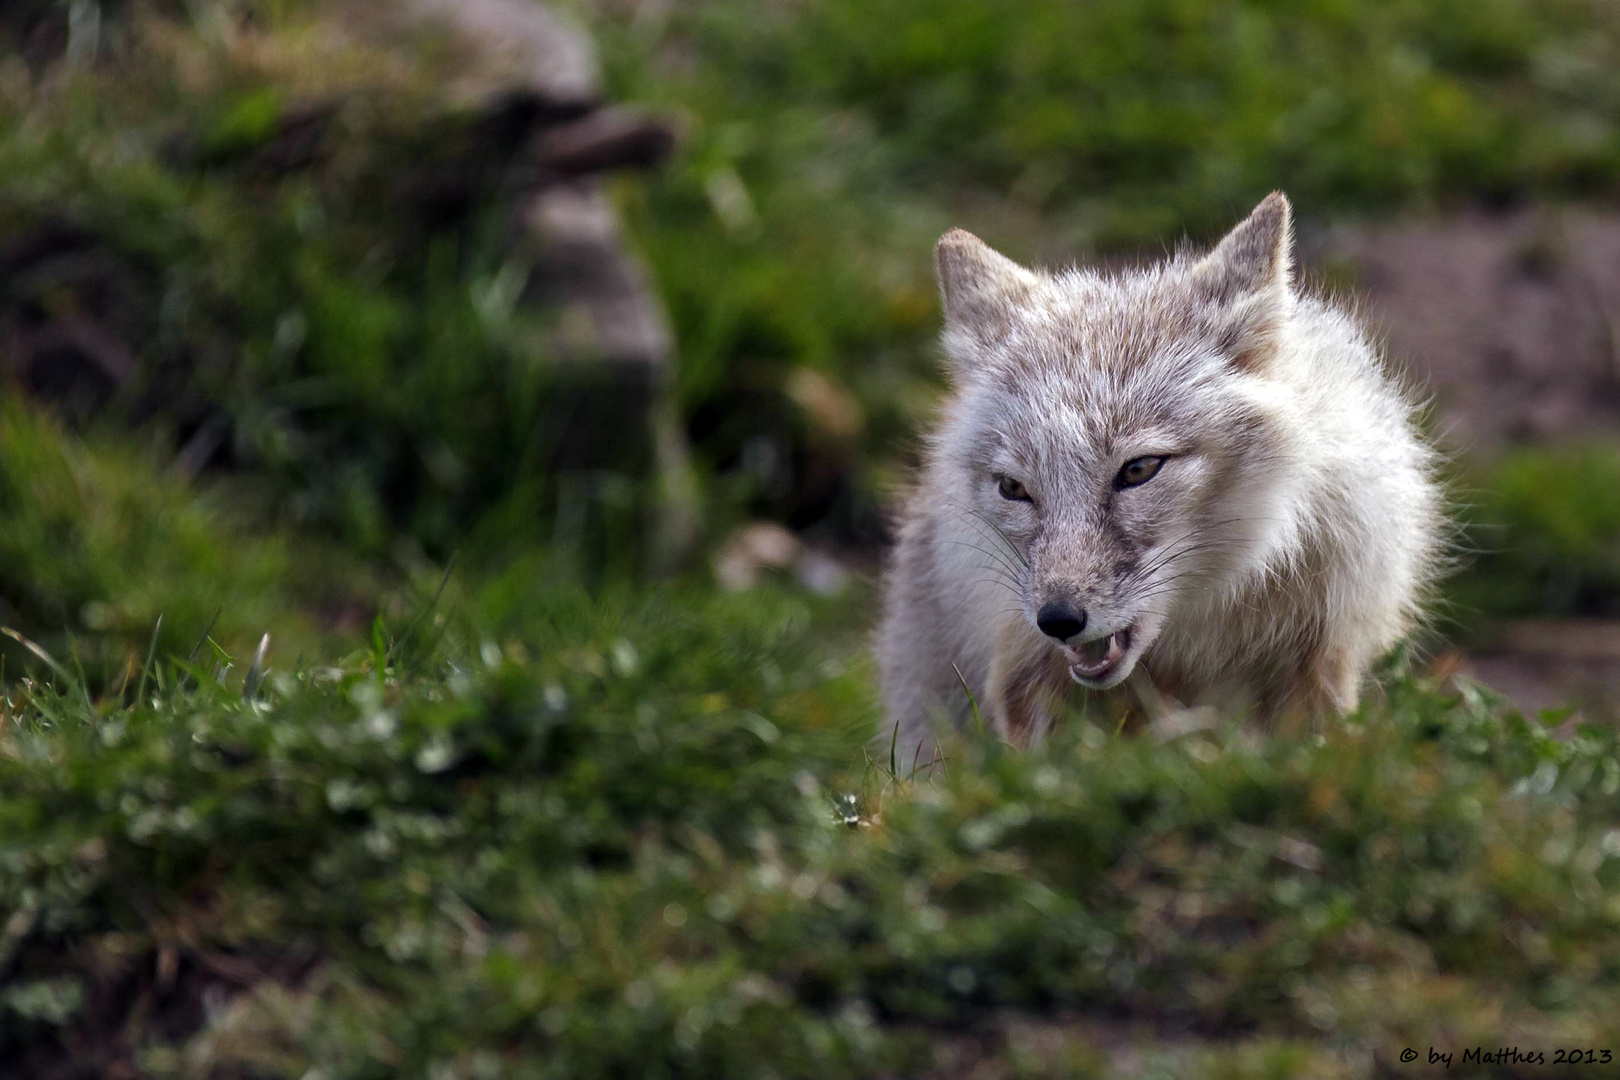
1095 659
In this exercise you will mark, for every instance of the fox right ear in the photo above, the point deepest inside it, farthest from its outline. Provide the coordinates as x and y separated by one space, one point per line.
1256 257
1248 276
980 288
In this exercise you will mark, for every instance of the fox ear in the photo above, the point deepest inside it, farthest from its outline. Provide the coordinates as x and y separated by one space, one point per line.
1249 275
979 288
1257 256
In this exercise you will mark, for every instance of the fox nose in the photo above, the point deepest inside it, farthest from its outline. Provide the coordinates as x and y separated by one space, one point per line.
1061 619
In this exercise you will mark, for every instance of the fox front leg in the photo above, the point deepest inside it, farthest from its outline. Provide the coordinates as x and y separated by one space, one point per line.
1167 717
1026 692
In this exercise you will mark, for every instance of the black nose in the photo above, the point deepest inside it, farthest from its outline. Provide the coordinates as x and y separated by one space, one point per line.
1061 619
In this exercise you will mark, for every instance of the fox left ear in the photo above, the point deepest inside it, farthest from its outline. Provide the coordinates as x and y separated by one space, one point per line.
1250 275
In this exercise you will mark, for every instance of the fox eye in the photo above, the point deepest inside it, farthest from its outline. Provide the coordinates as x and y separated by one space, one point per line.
1011 489
1138 472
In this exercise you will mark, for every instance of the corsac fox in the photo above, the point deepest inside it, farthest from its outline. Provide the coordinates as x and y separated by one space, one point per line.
1196 472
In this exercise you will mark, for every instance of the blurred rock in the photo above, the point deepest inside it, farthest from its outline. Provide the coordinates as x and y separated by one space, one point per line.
751 550
608 329
538 50
754 549
832 411
608 138
821 573
607 309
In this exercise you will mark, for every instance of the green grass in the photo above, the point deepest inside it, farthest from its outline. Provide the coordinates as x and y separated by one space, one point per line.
616 842
98 543
1545 526
1139 119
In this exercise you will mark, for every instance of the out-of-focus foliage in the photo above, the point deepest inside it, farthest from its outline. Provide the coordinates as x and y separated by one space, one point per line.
299 235
298 285
1167 114
629 840
1543 527
830 143
97 544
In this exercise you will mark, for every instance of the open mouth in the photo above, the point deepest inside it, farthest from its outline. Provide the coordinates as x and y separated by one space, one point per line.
1094 661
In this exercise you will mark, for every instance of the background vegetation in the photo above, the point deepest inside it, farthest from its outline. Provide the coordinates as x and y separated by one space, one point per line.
550 814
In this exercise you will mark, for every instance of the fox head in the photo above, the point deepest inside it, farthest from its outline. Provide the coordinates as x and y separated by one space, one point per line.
1119 445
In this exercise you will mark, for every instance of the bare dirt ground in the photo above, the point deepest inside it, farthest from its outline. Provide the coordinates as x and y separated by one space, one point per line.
1512 323
1512 320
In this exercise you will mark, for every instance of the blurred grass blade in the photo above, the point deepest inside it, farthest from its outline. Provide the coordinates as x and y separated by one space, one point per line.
255 671
973 702
50 661
151 653
57 668
426 612
191 657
